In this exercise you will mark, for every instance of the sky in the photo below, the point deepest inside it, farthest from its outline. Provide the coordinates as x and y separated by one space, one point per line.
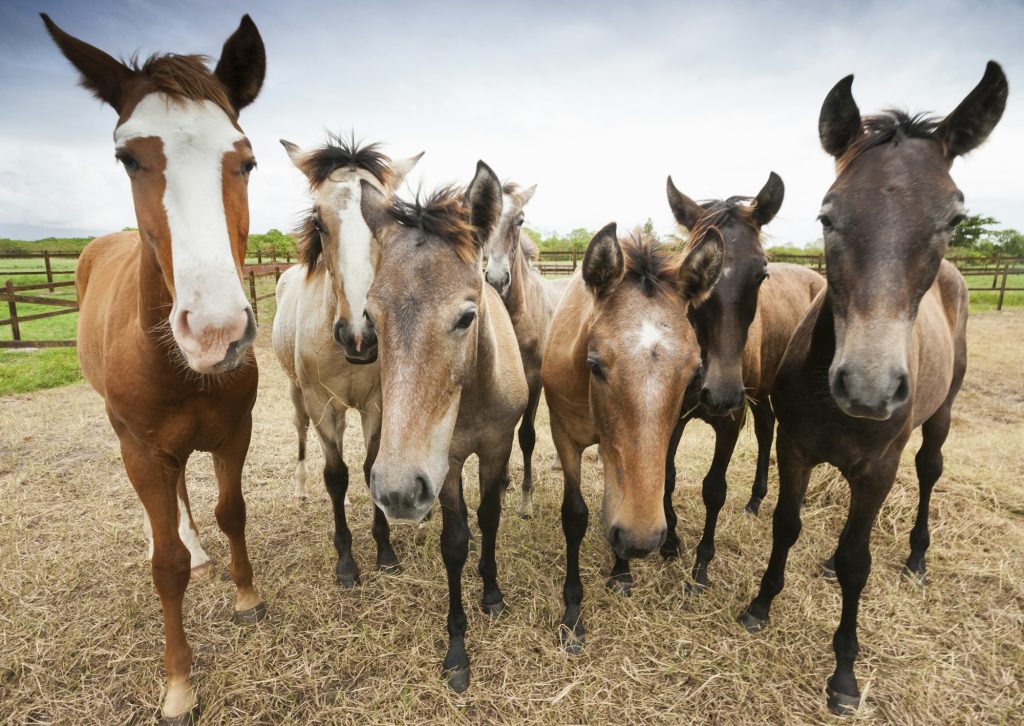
595 102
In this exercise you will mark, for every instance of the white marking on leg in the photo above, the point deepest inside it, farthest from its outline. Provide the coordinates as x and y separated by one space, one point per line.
300 479
190 537
147 530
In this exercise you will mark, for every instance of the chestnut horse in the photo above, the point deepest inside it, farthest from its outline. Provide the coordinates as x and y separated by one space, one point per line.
452 378
165 329
324 342
883 349
619 358
530 305
743 329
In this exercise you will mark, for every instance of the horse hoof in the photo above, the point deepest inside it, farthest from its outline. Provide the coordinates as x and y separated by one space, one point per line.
494 609
572 639
251 616
620 585
916 577
189 718
828 572
669 552
842 704
697 588
753 507
525 515
388 562
458 679
299 499
202 572
347 581
751 622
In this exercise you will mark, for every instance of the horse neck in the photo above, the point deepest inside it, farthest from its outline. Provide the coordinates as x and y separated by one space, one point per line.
154 298
516 298
486 343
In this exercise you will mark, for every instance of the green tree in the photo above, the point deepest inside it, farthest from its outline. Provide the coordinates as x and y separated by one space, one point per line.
972 230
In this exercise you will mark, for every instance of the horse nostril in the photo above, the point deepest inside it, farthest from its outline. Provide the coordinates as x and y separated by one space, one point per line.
615 537
902 392
839 389
422 489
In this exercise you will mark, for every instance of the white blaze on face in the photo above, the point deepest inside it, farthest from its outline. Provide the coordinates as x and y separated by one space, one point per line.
354 268
210 309
649 339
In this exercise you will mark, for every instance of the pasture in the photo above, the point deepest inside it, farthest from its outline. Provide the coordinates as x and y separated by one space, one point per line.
80 630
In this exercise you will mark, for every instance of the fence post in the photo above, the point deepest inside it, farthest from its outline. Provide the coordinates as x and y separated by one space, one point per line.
277 274
49 270
252 295
574 259
259 257
995 275
1002 287
13 309
821 259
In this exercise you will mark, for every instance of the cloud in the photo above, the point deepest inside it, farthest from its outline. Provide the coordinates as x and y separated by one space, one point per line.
595 102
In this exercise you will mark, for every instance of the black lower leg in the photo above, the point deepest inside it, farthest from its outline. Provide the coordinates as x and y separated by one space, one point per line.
574 526
489 516
621 579
387 560
454 551
670 548
764 430
346 571
713 492
929 469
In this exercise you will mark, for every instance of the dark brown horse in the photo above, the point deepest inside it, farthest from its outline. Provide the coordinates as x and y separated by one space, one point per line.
883 350
451 377
743 329
619 358
165 329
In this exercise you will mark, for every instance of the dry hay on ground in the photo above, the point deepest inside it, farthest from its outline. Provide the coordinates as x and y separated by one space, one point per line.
80 634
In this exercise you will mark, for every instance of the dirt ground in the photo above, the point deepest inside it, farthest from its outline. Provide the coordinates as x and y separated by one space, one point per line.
81 640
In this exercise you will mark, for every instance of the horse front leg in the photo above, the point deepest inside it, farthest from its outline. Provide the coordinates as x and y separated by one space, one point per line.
154 477
454 551
670 548
527 441
713 490
571 632
228 462
764 430
387 560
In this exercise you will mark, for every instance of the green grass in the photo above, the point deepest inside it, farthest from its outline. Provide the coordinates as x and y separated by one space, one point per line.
33 370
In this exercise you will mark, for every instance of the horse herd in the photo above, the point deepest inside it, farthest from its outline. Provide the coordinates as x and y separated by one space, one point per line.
391 314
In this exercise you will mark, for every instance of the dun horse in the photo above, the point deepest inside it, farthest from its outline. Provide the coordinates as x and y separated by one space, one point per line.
883 350
530 303
322 338
619 358
743 329
165 329
451 375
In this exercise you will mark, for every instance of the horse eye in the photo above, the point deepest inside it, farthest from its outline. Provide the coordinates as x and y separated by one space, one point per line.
316 225
369 319
826 222
595 367
248 166
762 278
128 161
955 221
466 320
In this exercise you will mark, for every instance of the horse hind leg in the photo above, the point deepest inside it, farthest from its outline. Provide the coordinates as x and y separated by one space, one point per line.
929 468
301 420
527 441
200 562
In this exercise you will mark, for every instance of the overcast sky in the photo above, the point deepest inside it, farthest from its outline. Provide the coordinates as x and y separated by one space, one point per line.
595 102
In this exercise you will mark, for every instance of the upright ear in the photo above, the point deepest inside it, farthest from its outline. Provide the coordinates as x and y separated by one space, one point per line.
294 153
603 264
374 207
701 268
768 200
483 202
105 77
524 196
839 121
973 120
401 168
243 64
686 211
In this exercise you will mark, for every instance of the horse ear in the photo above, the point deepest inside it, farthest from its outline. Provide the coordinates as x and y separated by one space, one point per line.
701 268
375 208
483 202
603 264
294 153
839 121
525 195
769 200
401 168
686 211
105 77
243 64
973 120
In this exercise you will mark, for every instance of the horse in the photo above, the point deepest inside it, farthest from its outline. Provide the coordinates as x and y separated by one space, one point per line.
451 376
324 343
165 330
743 329
883 349
619 358
530 304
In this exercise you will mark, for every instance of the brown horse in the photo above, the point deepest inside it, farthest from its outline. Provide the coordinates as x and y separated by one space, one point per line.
165 330
451 376
883 350
619 358
530 306
743 329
